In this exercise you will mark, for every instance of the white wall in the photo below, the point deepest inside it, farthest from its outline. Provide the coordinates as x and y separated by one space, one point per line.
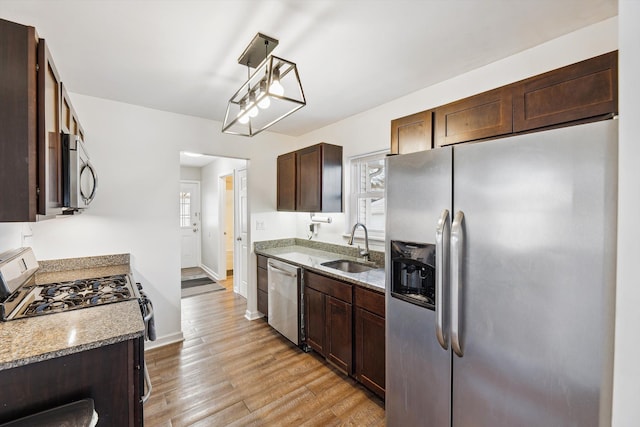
136 154
626 386
370 131
188 173
212 226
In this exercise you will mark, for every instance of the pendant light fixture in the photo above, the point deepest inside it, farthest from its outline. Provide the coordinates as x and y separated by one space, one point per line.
272 92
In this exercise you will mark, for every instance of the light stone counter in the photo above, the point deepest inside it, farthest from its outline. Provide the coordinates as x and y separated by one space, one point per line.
34 339
293 251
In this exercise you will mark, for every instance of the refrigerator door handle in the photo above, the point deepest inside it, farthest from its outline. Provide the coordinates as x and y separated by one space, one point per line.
442 264
457 244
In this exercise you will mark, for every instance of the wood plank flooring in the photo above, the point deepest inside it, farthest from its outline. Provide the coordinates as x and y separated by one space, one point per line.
233 372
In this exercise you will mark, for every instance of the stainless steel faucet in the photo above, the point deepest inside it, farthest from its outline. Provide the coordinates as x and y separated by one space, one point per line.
365 253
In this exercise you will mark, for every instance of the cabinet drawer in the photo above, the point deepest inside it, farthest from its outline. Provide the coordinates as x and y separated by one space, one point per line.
369 300
262 261
329 286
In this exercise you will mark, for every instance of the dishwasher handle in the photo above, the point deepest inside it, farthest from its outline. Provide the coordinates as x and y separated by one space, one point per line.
280 270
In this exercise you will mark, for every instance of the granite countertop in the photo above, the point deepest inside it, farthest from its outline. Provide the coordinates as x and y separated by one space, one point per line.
33 339
311 259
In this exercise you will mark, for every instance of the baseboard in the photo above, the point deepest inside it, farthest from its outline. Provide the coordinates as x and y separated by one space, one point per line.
165 340
253 315
210 272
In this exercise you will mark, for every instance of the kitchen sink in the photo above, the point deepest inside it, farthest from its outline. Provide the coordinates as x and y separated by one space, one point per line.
349 266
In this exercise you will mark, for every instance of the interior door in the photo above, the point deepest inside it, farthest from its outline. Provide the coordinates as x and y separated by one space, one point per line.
538 277
241 252
190 223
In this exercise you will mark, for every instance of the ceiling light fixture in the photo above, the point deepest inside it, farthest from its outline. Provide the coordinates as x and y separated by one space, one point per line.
269 95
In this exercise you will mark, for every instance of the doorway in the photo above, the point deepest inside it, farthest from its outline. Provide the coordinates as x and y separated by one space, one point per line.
227 223
219 222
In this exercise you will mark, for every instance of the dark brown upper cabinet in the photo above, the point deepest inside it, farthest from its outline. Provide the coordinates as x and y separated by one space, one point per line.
581 91
286 192
30 152
481 116
412 133
50 198
310 179
578 93
18 122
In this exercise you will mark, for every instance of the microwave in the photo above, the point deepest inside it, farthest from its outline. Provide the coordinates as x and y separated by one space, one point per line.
79 179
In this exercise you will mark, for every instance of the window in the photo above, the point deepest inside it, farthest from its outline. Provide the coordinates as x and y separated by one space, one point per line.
367 193
185 209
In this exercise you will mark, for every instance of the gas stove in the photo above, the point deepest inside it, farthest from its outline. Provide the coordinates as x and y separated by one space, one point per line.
49 298
27 299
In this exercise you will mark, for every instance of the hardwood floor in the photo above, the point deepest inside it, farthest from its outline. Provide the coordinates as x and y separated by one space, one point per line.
231 371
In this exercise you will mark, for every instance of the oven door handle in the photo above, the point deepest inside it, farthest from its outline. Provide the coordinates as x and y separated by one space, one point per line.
148 386
149 310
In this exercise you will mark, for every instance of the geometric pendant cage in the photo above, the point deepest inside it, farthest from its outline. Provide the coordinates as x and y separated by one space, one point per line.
271 93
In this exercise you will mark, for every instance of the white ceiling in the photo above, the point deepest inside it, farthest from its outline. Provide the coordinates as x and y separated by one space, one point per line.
352 55
195 160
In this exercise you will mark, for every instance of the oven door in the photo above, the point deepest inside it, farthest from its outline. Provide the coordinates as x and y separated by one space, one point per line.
80 180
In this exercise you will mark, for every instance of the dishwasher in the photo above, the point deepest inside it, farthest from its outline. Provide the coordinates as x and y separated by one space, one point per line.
285 300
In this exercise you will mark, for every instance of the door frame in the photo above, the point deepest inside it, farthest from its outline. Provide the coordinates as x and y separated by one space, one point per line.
222 218
237 274
199 215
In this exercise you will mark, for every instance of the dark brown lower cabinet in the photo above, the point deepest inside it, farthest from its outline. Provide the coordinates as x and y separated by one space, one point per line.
111 375
369 336
263 286
339 334
315 323
328 319
369 349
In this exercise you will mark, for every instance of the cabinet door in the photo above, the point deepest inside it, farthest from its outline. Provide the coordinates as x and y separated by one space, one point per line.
286 187
49 142
370 350
309 179
263 295
486 115
339 335
69 122
576 92
412 133
18 123
314 314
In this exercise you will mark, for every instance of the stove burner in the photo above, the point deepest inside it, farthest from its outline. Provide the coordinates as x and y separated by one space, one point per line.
56 289
63 296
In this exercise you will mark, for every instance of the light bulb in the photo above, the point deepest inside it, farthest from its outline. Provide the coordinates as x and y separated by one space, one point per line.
242 116
265 102
253 108
276 88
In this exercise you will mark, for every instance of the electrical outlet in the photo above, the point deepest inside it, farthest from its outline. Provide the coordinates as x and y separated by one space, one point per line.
259 225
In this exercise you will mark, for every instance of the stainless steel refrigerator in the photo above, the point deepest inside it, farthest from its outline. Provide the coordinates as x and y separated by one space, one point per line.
501 281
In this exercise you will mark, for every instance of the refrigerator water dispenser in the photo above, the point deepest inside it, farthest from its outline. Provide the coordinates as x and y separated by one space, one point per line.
413 273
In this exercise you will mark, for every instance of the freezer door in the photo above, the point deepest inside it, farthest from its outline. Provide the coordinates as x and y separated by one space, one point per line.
537 282
418 376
